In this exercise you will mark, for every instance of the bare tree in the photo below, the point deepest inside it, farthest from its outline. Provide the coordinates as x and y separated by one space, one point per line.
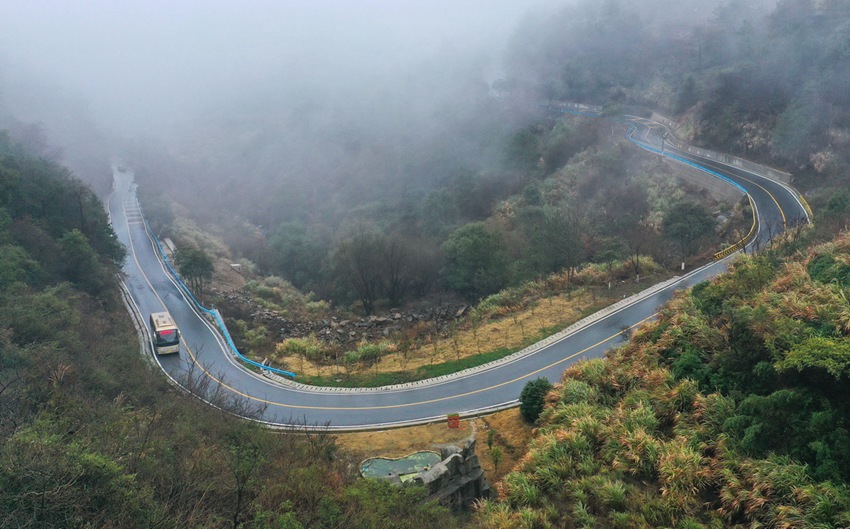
397 270
359 258
639 239
213 390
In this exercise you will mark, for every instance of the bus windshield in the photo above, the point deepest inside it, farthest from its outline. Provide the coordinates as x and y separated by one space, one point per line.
167 336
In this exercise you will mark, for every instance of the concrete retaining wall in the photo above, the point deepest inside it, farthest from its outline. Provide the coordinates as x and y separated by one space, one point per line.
734 161
458 480
718 189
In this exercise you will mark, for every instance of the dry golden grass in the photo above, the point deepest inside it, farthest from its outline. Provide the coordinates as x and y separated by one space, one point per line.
402 441
510 330
512 437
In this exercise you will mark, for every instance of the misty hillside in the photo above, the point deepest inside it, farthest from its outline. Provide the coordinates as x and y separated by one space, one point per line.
752 79
436 146
295 146
91 436
61 131
431 184
357 158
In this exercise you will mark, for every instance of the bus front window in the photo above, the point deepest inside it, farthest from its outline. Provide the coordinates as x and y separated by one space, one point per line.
168 336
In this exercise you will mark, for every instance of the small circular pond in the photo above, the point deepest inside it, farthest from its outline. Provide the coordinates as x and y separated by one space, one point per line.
405 467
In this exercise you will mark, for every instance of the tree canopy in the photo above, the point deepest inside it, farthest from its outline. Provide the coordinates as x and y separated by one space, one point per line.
196 266
476 261
90 436
686 224
533 398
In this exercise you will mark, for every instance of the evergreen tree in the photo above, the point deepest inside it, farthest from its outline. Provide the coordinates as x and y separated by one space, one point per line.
533 398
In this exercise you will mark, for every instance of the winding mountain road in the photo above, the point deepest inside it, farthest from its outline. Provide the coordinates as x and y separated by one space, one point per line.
206 363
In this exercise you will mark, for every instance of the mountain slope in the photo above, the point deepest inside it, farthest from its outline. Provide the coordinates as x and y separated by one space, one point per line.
730 410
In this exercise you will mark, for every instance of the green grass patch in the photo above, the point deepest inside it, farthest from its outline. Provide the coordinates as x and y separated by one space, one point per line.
374 380
447 368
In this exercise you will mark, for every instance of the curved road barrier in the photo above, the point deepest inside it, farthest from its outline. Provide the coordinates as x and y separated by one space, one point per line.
212 313
207 359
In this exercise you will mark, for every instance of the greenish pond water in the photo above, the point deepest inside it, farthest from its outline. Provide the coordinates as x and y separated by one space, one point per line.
405 467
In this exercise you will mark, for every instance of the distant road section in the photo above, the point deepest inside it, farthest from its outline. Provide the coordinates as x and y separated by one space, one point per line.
206 364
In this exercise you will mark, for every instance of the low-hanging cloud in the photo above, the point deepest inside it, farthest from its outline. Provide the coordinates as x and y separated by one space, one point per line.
149 65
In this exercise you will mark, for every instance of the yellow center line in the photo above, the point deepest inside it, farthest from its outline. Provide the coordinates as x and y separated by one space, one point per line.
411 404
430 401
450 397
344 408
248 396
716 165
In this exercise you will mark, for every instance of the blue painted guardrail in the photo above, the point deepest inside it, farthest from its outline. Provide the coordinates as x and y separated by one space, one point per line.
682 160
591 112
216 316
588 111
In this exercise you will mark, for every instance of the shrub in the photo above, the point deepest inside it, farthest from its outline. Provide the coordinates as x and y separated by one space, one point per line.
533 398
827 269
310 347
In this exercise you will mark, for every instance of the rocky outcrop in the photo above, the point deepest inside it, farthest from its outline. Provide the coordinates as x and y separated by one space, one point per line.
458 480
335 330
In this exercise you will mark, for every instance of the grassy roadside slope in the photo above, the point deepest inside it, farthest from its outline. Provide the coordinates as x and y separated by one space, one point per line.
729 411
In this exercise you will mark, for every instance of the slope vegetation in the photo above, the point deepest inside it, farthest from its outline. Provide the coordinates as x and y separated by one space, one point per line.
91 436
729 410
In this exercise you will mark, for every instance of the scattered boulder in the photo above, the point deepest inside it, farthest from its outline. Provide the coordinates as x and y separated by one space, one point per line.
374 327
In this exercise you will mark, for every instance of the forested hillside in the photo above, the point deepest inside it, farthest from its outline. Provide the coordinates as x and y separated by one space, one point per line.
438 183
570 193
306 184
756 79
56 125
92 436
730 410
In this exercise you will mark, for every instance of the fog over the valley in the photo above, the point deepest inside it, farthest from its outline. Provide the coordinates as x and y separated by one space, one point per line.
150 66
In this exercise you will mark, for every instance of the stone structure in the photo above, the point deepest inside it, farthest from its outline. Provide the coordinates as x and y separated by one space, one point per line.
457 480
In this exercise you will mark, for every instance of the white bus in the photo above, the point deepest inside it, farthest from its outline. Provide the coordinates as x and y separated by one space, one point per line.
166 337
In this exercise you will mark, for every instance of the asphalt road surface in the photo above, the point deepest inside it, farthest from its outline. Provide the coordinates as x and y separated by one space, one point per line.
206 365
